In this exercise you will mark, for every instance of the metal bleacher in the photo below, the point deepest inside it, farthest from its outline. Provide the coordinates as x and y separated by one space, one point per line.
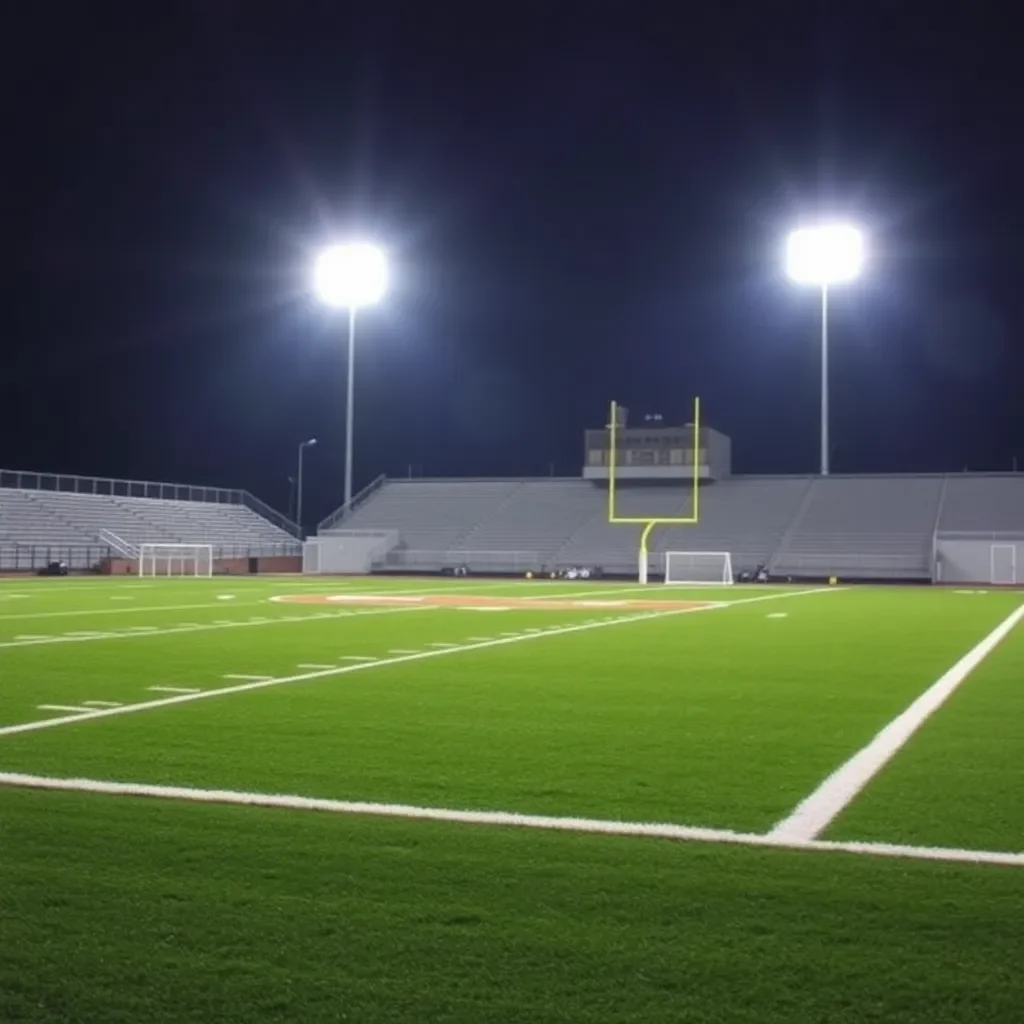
39 524
880 527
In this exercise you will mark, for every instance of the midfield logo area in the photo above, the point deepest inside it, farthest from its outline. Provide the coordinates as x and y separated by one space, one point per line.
480 603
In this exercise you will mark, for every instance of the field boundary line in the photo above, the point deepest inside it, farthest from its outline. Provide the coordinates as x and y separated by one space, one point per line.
134 632
363 666
816 812
508 819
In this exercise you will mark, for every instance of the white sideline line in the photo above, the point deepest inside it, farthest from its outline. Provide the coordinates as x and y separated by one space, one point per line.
362 662
511 819
251 679
61 707
137 632
103 703
174 689
816 812
111 611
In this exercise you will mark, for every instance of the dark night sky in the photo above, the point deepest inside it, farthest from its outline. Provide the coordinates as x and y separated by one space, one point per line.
580 200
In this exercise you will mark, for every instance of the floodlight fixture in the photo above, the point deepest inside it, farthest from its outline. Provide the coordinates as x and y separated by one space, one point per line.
351 275
825 254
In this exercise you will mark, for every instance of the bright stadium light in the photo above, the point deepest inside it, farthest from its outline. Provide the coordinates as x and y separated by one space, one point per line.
350 276
823 255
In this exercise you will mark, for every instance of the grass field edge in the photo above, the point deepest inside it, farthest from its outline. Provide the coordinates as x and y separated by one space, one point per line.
507 819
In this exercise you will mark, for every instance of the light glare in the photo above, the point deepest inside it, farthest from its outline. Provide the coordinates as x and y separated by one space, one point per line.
351 275
825 255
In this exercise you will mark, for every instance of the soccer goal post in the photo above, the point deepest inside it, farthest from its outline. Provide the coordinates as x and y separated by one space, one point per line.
696 568
176 560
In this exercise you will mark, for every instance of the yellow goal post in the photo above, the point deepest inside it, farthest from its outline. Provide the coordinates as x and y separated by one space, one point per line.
650 523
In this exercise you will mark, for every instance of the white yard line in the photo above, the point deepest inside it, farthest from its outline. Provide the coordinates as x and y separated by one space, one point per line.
364 664
116 611
103 703
814 814
506 819
174 689
134 632
313 666
249 678
61 707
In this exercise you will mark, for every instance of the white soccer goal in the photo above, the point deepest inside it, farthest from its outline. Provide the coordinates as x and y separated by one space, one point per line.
175 559
697 568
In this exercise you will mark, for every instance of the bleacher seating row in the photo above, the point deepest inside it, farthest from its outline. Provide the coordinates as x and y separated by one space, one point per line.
68 519
877 526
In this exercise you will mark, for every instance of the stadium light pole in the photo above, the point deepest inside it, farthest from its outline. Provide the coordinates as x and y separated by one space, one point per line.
298 486
350 276
823 255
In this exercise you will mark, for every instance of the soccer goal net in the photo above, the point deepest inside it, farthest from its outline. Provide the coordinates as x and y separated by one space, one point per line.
175 559
698 567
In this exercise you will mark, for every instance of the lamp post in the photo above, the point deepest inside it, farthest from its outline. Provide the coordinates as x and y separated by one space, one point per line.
298 486
823 255
350 276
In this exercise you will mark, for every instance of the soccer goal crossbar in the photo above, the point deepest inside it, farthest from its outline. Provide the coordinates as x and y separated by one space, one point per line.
697 568
175 559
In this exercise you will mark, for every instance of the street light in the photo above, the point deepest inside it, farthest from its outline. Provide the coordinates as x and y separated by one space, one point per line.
350 276
298 486
823 255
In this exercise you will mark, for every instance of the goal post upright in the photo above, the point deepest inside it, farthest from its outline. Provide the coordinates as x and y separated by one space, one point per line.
648 523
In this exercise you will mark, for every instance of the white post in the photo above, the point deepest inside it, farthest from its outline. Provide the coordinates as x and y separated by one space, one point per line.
642 566
824 380
350 402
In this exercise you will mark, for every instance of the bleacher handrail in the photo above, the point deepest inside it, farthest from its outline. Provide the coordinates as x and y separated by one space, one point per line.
118 543
357 499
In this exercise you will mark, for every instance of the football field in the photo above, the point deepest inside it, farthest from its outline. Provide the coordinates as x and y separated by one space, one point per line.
379 800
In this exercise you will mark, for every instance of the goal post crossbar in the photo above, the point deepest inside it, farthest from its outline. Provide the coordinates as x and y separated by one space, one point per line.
162 559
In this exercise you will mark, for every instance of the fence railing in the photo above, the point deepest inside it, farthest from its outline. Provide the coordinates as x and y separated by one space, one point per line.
475 561
30 557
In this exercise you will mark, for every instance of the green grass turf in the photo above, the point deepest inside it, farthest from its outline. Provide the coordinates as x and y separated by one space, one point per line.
120 909
960 780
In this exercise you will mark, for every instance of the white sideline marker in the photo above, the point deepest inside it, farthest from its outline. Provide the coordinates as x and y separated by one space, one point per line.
816 812
33 636
62 707
174 689
366 662
402 650
442 643
359 657
777 615
103 703
249 679
510 819
314 667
